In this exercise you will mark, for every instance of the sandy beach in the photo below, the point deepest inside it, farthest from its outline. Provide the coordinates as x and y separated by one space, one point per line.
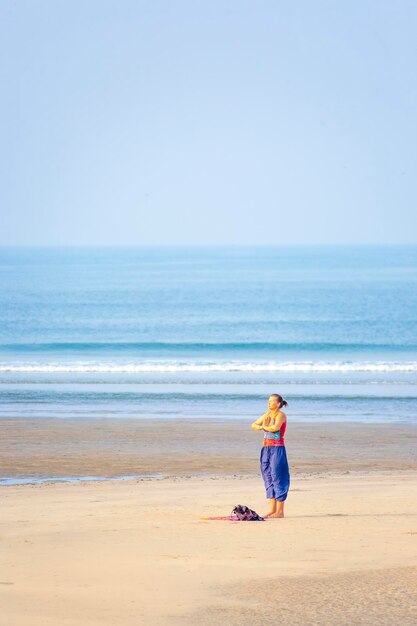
117 447
137 551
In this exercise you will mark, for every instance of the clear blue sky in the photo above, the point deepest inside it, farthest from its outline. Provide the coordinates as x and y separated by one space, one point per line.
208 122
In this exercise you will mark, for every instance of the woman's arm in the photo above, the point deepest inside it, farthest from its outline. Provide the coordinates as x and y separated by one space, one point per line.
257 425
277 424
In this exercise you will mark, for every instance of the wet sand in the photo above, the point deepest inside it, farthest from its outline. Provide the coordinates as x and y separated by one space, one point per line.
117 447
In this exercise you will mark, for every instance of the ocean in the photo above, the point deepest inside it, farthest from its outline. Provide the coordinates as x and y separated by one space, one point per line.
209 332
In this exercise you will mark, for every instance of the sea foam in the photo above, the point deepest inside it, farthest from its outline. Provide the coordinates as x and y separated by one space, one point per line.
200 366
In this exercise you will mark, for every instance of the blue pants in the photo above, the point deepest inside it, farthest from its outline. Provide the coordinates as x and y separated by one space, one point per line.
275 472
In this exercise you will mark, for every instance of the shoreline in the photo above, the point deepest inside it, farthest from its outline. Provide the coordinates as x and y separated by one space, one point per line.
8 482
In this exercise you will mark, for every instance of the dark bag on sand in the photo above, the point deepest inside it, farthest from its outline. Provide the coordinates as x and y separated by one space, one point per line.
245 514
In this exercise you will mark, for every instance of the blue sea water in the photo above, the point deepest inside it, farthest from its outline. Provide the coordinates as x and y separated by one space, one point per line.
209 332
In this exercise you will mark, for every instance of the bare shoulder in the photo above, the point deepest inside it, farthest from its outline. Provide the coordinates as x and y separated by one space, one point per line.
282 415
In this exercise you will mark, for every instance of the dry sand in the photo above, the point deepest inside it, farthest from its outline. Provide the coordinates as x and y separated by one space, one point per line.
136 552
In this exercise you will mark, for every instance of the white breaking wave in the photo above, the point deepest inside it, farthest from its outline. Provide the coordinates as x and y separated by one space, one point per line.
196 367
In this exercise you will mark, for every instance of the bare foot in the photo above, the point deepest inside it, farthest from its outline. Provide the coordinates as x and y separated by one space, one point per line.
276 515
270 514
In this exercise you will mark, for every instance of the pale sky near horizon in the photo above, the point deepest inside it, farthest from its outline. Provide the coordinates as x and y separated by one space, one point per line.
212 122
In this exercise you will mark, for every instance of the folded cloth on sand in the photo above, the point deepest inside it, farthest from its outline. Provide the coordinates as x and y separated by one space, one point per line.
231 518
245 514
240 513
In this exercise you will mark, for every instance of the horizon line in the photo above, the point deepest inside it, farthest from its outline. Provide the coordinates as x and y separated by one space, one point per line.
208 245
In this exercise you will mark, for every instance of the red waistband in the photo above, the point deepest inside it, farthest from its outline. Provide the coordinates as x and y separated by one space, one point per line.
273 443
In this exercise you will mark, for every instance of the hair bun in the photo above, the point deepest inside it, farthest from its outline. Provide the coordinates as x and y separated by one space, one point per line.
280 400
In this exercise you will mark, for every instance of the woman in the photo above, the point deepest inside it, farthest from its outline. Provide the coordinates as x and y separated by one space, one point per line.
274 464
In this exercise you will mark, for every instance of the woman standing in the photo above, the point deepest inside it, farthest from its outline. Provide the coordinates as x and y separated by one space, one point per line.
274 463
